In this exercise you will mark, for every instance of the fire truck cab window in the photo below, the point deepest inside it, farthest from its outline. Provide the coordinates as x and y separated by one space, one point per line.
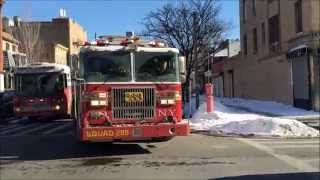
155 67
107 66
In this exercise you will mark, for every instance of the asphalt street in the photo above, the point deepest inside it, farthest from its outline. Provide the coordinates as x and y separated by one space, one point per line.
48 150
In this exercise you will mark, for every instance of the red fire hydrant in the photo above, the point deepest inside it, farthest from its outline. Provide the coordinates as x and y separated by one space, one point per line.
209 93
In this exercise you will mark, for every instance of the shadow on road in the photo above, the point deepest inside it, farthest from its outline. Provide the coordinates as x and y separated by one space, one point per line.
291 176
60 147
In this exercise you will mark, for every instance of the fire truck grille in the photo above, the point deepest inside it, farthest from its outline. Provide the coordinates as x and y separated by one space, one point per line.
133 103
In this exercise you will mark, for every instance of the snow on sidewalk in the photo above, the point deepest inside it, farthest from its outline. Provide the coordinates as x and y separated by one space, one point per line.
269 107
231 121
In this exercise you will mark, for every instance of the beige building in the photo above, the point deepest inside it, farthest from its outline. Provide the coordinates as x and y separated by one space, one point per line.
9 43
57 39
280 47
9 46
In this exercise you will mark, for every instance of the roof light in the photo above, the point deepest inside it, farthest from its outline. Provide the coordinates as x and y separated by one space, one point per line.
86 43
156 44
152 43
93 43
127 41
160 44
110 38
102 42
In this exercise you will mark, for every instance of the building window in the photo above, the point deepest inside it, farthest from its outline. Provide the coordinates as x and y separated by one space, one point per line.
254 7
298 15
255 41
13 48
263 33
245 44
274 33
244 11
7 46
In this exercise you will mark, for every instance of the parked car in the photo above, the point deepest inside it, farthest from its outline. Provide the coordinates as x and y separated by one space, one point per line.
6 103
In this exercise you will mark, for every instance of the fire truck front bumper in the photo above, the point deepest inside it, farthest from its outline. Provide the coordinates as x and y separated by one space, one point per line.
134 133
40 111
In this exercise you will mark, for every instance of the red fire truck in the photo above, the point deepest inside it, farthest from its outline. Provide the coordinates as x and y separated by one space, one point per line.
128 90
43 90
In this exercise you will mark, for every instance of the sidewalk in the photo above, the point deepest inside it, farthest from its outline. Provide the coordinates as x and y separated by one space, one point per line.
235 120
269 108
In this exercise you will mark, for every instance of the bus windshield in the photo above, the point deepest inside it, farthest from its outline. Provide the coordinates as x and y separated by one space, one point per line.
106 66
155 66
39 85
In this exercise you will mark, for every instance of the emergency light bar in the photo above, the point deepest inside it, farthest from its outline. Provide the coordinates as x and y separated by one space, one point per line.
123 41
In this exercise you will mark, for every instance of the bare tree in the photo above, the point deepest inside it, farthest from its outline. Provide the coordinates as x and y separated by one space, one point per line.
27 33
193 26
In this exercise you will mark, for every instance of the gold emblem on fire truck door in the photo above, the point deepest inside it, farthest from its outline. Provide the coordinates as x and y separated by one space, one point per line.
133 96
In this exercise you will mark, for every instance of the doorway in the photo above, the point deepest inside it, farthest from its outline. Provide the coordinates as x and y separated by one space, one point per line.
231 83
301 82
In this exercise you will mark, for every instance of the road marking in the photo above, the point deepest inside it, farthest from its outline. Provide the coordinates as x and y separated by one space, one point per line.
5 128
17 120
301 165
312 160
57 128
284 139
64 120
9 157
16 129
296 146
291 142
219 147
38 127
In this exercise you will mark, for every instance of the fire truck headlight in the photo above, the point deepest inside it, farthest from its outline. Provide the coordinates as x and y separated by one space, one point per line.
94 103
102 95
167 101
171 101
98 102
57 107
163 102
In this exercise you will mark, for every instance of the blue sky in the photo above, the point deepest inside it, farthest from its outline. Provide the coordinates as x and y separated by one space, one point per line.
107 17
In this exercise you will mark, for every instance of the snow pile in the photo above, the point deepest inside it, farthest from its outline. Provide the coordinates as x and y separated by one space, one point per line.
269 107
231 121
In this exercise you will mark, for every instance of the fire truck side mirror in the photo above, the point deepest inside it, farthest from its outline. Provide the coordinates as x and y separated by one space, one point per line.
182 68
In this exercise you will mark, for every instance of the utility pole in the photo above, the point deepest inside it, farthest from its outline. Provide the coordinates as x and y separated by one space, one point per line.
1 50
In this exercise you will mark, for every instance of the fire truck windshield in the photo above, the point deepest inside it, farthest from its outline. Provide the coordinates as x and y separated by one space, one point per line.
115 66
104 66
155 66
39 85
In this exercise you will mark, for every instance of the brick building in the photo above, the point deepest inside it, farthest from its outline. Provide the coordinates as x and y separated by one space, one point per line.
279 61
